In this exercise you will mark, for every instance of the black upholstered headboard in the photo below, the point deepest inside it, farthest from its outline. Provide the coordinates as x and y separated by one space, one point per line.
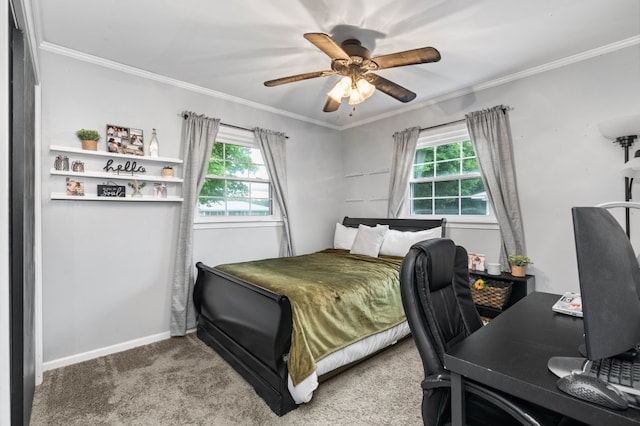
397 224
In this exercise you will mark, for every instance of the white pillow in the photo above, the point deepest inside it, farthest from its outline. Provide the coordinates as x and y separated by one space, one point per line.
344 237
398 243
368 240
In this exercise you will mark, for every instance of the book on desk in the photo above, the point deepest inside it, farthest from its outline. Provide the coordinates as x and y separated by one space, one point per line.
569 303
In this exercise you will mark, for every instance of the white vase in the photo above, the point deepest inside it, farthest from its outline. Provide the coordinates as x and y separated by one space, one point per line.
154 147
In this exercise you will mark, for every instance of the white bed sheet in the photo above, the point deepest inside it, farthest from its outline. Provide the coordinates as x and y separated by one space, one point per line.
304 390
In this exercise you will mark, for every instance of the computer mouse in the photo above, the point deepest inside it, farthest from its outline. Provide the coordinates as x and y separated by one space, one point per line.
594 390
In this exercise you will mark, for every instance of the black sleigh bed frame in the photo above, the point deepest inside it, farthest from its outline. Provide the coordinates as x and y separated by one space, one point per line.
250 327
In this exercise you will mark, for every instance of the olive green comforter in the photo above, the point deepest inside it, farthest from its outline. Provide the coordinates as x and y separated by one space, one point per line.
337 299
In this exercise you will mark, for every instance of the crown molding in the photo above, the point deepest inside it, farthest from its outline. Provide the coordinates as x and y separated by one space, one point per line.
588 54
96 60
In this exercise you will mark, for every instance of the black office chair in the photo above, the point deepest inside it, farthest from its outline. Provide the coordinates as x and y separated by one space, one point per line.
434 282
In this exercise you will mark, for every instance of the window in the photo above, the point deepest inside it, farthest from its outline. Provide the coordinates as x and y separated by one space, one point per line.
445 178
237 184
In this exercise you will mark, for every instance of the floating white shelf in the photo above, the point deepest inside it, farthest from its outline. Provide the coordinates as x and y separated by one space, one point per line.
101 174
94 197
73 150
114 176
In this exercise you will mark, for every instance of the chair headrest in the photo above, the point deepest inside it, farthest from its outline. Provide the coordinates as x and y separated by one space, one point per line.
442 252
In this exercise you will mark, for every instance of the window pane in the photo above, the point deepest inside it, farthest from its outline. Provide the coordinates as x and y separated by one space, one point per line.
216 167
474 206
446 188
423 155
467 149
211 206
256 156
448 151
218 151
447 206
236 188
472 187
422 190
238 206
470 165
260 190
448 168
423 206
213 187
258 172
423 171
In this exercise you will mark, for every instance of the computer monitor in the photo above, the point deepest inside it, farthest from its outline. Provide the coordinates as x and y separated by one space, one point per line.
609 283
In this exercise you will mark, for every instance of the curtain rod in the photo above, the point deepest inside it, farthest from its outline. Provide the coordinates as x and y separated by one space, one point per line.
422 129
505 108
229 125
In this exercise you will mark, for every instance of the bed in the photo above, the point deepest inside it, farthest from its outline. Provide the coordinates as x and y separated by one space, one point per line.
245 316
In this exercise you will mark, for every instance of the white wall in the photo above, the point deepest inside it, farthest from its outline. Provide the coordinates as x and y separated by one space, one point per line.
107 266
561 158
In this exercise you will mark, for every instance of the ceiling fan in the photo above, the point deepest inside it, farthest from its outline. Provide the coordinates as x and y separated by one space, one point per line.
354 62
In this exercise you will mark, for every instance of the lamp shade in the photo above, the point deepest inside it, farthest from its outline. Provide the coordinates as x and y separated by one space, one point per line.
621 126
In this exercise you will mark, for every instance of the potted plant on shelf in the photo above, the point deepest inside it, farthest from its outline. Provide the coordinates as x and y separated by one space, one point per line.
519 264
167 171
89 139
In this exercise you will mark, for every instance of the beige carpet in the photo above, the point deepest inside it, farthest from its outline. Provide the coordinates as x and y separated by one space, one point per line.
181 381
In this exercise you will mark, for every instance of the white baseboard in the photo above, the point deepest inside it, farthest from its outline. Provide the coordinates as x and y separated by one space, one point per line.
85 356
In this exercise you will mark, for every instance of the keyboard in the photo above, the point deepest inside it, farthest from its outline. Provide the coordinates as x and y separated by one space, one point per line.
625 375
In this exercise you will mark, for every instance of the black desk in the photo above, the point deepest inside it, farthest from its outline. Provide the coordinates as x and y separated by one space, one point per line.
511 353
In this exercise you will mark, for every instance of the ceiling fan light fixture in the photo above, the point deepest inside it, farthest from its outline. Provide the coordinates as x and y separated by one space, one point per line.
360 91
366 89
342 89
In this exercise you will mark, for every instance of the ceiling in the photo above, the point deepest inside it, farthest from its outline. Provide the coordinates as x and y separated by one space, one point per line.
231 47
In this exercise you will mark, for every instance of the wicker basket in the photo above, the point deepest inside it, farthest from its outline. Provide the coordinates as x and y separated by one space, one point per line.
493 296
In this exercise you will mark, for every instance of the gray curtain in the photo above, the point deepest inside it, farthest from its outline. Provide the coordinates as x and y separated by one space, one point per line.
274 150
404 149
489 131
198 136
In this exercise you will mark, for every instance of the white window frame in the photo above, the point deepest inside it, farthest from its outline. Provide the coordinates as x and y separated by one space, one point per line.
246 138
439 136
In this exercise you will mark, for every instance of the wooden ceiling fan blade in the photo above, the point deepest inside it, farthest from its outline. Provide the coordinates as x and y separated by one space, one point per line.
331 105
298 77
327 45
390 88
408 57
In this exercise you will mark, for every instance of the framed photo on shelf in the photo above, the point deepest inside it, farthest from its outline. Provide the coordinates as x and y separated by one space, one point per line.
160 190
75 187
476 262
125 140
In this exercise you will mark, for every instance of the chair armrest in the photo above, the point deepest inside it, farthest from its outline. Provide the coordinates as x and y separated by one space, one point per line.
440 380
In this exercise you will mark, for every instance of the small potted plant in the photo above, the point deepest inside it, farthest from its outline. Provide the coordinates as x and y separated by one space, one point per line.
167 171
89 139
519 264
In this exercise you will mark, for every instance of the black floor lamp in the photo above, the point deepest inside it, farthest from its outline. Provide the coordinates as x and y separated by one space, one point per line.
629 128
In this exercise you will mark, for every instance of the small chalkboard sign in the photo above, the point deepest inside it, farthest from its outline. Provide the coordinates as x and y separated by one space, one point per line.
110 189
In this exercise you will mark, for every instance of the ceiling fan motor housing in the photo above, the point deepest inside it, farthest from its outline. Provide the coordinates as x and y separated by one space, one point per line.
359 59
